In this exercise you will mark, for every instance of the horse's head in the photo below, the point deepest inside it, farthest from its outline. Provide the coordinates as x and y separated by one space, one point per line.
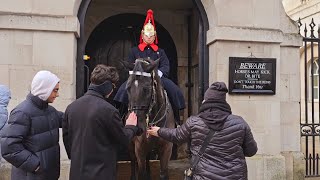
141 83
141 86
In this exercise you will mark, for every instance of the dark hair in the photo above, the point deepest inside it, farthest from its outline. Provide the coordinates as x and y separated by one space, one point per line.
102 73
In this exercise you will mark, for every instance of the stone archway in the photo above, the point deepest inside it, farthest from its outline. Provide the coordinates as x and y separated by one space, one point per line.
203 74
111 40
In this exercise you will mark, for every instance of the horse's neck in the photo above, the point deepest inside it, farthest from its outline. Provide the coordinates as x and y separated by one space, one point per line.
160 97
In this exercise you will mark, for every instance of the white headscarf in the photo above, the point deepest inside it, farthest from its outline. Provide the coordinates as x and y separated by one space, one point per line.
43 84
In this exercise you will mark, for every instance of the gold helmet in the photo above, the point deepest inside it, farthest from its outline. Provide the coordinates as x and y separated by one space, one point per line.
149 27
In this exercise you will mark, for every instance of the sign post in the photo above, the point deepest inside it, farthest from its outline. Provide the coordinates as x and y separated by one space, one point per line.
249 75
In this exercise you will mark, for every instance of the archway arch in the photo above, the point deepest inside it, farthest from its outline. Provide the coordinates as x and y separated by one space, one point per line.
113 38
203 74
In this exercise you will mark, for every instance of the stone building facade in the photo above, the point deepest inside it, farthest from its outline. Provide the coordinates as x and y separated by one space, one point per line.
202 34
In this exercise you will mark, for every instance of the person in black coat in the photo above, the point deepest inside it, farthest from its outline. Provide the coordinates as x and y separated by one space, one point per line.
30 141
224 156
92 129
148 49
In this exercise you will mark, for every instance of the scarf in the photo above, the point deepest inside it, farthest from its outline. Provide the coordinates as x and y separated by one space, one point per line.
214 113
103 89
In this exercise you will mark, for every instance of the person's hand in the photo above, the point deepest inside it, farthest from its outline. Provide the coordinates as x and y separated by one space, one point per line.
153 130
132 119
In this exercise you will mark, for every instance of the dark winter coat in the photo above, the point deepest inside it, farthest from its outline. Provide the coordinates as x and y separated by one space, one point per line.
224 157
164 64
92 130
31 138
175 95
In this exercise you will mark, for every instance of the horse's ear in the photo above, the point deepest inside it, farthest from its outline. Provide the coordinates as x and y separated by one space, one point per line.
126 64
152 65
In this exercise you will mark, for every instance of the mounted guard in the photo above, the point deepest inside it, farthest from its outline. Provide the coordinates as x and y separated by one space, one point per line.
149 49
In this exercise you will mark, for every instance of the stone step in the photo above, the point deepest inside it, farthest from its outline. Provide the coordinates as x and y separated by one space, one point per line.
176 169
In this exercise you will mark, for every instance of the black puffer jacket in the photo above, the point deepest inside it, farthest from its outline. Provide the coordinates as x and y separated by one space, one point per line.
31 138
224 158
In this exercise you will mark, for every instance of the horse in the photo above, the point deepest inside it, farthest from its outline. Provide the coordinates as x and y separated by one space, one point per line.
148 99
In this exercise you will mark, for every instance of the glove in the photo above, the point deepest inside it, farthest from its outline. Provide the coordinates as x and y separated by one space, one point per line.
160 73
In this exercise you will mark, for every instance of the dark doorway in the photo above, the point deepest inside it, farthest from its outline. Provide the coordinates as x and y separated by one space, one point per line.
112 39
203 72
111 42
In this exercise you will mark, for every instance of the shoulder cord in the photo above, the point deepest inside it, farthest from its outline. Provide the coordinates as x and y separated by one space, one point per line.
202 149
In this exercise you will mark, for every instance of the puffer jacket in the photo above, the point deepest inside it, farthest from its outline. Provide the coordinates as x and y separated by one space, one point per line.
5 97
31 138
224 157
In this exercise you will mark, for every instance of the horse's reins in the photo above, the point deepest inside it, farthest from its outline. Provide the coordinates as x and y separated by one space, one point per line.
163 116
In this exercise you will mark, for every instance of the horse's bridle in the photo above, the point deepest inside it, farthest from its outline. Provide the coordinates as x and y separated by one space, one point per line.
152 101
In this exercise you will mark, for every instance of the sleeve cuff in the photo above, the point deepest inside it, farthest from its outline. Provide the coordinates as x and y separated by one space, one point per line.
133 128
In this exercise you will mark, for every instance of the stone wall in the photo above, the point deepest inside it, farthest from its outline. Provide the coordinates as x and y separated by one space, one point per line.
43 34
264 31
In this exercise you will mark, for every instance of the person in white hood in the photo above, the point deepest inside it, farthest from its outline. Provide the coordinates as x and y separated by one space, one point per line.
45 85
30 141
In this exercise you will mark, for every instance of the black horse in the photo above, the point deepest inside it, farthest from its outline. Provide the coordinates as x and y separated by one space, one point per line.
149 100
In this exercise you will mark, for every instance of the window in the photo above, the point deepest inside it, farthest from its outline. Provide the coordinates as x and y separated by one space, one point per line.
315 89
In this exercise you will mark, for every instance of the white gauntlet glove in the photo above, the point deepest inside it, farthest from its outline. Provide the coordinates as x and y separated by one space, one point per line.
160 73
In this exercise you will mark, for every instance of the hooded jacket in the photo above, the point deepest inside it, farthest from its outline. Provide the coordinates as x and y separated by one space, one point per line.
31 139
5 97
224 157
